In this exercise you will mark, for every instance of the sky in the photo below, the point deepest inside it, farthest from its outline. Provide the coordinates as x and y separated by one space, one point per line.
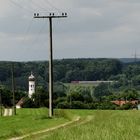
93 29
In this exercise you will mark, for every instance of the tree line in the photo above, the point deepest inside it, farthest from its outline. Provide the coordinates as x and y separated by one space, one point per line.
65 70
127 86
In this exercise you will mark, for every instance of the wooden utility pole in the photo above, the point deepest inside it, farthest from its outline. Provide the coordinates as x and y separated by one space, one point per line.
50 17
13 88
0 103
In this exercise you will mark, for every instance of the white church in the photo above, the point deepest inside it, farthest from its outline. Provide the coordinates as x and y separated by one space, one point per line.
31 85
31 90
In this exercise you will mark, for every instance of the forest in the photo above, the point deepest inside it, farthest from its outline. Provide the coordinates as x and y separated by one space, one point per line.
65 71
125 75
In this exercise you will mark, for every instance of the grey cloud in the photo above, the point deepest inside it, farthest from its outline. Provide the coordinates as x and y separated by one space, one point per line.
98 28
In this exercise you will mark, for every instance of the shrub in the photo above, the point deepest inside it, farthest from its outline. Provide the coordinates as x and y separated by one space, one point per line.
63 105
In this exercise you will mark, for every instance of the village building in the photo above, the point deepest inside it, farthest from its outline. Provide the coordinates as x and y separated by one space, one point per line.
123 102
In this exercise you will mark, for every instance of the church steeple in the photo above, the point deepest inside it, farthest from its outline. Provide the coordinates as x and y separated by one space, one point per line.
31 85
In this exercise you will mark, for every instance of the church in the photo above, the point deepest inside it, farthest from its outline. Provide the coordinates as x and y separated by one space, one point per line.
31 85
31 91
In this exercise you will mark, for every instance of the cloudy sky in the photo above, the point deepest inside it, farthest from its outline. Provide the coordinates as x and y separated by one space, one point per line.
93 29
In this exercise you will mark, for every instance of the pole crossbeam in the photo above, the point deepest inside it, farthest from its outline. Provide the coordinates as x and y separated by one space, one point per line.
50 17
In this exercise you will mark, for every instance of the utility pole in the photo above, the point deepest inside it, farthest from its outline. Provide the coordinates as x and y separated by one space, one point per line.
135 56
0 103
50 17
13 88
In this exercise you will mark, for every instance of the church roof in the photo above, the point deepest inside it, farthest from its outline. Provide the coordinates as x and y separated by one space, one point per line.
31 77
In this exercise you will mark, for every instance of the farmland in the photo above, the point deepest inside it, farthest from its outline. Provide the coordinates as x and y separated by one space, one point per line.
27 121
93 124
99 125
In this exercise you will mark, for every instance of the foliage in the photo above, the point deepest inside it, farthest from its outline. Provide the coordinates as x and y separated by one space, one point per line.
126 84
65 70
63 105
28 103
40 98
101 91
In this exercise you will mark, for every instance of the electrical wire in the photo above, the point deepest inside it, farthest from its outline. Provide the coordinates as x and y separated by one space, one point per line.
20 6
46 3
28 30
49 3
38 34
38 6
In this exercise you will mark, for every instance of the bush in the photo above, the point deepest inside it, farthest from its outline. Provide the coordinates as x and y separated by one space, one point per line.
28 103
59 101
63 105
78 105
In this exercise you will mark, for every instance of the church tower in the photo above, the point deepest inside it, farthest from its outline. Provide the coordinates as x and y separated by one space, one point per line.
31 85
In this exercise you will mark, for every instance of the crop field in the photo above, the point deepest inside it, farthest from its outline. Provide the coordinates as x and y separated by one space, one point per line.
92 125
99 125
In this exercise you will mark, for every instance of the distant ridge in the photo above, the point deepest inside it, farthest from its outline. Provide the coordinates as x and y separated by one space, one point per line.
129 60
123 60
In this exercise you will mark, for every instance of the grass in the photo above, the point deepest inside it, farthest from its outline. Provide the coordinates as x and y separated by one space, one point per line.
93 125
27 121
103 125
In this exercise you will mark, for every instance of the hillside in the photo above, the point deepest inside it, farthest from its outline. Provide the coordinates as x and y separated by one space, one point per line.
65 70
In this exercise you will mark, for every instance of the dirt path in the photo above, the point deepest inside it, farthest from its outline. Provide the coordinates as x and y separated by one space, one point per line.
77 121
47 130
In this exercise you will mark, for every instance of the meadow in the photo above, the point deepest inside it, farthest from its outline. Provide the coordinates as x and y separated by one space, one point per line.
99 125
92 125
27 121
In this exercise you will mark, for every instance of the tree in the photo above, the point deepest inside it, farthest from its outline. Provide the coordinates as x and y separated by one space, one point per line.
129 94
40 98
101 90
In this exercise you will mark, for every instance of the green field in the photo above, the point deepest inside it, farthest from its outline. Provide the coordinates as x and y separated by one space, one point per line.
27 121
99 125
92 125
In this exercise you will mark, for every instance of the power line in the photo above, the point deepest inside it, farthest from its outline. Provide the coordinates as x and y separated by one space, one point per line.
38 34
20 6
37 5
28 30
135 56
49 3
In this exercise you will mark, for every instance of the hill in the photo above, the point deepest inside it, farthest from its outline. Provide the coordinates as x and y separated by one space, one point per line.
65 70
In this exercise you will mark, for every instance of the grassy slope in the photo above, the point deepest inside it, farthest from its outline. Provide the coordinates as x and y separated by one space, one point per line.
105 125
26 121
